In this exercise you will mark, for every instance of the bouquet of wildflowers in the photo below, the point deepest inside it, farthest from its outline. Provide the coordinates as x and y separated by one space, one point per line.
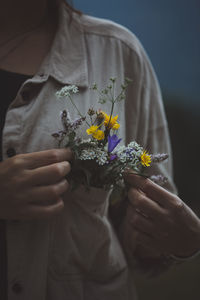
100 161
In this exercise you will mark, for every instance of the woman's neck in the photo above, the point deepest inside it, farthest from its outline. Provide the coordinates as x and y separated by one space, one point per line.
19 16
33 19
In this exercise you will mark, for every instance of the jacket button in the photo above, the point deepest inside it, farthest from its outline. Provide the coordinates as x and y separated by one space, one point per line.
17 288
11 152
42 75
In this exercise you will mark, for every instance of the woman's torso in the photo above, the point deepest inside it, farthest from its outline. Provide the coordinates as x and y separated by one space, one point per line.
76 255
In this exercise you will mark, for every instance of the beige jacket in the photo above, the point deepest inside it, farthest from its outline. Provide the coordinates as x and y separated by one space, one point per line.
77 255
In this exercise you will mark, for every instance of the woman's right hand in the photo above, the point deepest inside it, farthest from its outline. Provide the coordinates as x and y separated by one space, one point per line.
32 185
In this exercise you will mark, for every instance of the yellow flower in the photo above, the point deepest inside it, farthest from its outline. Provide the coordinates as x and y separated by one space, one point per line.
92 129
116 126
111 122
145 159
99 135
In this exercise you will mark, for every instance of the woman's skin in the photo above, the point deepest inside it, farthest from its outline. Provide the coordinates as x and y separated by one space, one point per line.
16 18
157 221
32 185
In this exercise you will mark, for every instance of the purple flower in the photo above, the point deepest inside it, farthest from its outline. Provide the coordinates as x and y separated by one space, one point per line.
156 158
113 141
76 123
159 179
112 157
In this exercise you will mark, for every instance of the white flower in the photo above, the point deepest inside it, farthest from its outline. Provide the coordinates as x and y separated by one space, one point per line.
96 154
67 90
87 154
75 89
101 157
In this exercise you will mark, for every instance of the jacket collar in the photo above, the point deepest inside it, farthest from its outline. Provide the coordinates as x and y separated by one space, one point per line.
66 61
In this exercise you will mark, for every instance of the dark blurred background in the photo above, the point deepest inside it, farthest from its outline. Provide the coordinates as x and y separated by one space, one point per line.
170 32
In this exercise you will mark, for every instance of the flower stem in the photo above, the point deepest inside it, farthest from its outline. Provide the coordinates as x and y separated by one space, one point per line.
112 108
80 114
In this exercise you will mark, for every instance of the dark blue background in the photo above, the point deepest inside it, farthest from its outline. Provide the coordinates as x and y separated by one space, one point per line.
169 31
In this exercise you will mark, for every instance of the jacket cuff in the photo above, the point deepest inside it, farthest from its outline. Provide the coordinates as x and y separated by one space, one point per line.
187 258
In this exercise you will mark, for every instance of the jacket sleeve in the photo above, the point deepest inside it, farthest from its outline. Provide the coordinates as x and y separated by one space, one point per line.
145 116
147 124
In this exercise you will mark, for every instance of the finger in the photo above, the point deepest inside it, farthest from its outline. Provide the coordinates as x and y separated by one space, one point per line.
147 241
148 207
47 157
141 223
151 189
40 212
43 195
50 174
146 225
129 243
146 248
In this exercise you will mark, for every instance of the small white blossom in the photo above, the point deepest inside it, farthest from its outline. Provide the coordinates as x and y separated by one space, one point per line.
67 90
94 154
87 154
135 146
75 89
102 158
129 154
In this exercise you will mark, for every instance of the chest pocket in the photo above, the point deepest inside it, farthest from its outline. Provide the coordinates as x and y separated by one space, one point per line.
83 243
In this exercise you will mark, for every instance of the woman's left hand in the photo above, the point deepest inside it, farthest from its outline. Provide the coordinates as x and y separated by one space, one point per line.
159 220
